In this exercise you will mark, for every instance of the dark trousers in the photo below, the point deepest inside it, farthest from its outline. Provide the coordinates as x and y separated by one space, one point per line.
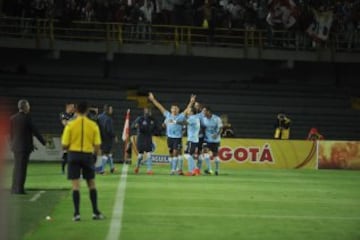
19 172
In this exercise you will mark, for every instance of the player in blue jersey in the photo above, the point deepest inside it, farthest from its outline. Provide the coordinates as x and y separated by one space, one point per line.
193 129
173 130
213 126
199 112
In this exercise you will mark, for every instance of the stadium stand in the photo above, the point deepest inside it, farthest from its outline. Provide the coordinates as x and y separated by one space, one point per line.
250 105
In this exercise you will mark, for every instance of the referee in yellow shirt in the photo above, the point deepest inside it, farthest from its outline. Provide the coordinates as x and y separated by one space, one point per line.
81 138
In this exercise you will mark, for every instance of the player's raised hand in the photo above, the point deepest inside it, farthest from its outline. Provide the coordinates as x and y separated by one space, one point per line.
151 96
193 98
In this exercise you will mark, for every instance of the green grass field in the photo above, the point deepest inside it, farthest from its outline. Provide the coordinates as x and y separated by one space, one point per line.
239 204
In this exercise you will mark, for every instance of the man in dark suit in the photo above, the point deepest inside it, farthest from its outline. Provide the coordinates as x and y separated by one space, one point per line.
22 131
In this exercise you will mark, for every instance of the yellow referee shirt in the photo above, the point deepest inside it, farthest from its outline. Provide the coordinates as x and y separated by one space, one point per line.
81 134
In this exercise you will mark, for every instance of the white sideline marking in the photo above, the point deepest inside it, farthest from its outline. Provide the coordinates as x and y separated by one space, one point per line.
37 196
116 219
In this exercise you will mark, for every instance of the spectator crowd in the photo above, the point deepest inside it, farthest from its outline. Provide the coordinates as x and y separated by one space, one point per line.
343 15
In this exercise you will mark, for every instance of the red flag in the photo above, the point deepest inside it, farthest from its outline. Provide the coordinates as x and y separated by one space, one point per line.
126 130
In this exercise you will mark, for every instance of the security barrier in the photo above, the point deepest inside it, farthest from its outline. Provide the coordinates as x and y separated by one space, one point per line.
53 30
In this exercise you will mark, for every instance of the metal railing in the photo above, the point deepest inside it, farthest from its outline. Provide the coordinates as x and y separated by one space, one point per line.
121 33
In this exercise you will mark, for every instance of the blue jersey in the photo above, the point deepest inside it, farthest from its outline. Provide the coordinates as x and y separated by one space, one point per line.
212 126
200 116
193 128
173 130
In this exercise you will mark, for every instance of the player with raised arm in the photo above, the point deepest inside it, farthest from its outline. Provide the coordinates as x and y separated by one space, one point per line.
193 128
213 126
199 112
173 130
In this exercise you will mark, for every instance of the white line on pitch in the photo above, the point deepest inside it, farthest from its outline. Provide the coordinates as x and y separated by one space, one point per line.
116 219
36 196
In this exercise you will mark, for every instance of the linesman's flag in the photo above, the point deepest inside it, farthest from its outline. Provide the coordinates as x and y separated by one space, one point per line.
126 130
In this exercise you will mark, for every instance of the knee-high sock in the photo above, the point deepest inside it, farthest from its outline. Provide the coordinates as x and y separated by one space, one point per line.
171 159
217 164
191 163
148 161
207 161
181 162
199 162
93 199
139 159
174 163
111 161
76 201
104 160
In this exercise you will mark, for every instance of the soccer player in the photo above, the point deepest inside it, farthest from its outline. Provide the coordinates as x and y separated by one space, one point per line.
173 130
81 137
191 152
213 127
145 126
65 117
108 137
199 111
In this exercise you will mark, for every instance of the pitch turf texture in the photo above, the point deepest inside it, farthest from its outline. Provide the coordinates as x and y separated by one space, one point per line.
238 204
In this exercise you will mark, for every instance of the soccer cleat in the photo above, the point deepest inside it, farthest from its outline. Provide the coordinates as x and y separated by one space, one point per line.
149 172
180 172
197 172
76 218
112 170
172 172
208 172
136 170
98 216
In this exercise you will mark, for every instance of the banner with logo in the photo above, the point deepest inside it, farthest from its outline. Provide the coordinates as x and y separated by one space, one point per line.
251 153
320 28
51 152
339 155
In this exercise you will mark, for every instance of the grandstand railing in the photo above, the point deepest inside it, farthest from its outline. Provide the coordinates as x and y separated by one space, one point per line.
122 33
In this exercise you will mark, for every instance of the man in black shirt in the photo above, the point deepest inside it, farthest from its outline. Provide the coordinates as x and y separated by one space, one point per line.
65 117
145 126
108 137
22 131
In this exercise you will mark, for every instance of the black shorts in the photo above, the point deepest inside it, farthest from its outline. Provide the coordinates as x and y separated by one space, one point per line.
174 144
144 144
192 148
213 147
81 163
64 157
200 144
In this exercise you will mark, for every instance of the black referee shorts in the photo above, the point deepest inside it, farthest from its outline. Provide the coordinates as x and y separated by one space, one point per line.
80 163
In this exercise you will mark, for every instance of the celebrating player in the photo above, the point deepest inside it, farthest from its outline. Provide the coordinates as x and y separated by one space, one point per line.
191 152
213 125
173 130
